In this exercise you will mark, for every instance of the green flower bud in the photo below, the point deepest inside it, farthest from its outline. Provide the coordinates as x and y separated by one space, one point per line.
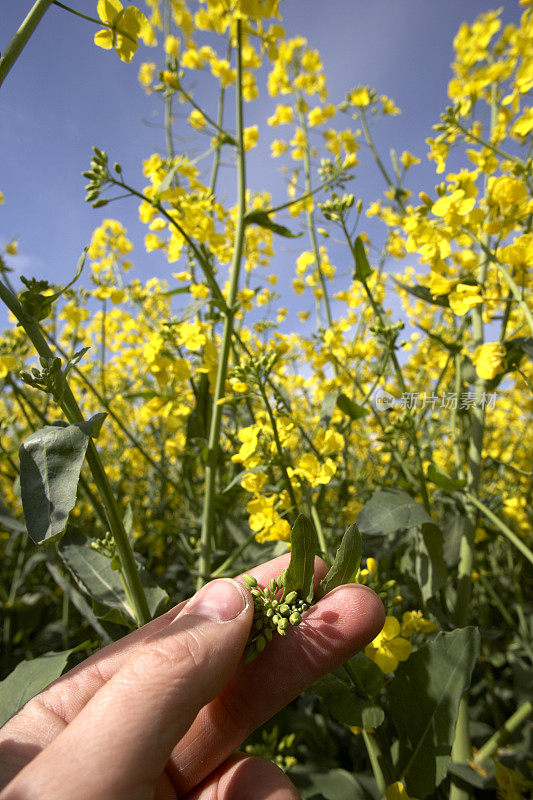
276 619
269 612
256 593
295 618
250 581
283 624
291 597
284 610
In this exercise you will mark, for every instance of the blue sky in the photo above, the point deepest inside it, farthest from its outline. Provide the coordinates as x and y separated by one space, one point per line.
65 95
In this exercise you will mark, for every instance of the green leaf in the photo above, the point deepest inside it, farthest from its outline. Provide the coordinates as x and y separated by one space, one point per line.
440 478
93 572
50 465
327 408
166 183
390 510
423 293
333 784
345 706
346 564
351 409
430 567
299 574
28 679
259 217
103 584
362 268
424 699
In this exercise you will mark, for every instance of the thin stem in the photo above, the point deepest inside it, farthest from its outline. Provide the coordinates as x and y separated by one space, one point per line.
504 732
208 516
310 215
507 532
20 39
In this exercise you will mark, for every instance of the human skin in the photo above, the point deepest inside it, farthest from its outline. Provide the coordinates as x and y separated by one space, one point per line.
160 713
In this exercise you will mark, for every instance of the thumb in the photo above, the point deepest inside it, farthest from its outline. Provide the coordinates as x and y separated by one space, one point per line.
124 736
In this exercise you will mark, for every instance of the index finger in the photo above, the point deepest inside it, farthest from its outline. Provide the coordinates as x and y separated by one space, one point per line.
332 631
45 716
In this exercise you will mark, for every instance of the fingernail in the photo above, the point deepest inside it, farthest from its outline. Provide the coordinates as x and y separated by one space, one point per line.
220 601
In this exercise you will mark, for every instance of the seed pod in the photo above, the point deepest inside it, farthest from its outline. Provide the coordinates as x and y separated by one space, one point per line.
295 618
250 581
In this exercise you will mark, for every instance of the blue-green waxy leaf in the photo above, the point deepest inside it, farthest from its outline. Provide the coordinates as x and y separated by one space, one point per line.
103 585
346 564
258 216
28 679
299 574
442 479
363 269
424 700
389 511
351 409
50 464
343 704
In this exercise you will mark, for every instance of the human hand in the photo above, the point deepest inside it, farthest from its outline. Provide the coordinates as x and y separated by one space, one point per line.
160 713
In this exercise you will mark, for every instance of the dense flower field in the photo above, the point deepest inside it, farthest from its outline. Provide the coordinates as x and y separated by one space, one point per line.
183 428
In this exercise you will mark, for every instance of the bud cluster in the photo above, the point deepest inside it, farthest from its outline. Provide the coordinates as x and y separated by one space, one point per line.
271 615
99 177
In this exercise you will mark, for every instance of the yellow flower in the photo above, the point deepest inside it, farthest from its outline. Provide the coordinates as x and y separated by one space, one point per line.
282 115
413 622
408 159
12 248
191 336
389 648
360 96
250 137
489 360
397 791
309 467
464 297
125 26
196 119
439 285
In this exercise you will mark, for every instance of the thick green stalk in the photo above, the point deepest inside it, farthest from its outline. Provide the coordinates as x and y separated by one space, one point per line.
19 40
208 516
73 414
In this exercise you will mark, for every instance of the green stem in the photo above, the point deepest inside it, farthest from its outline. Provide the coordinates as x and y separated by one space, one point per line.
208 516
281 455
320 534
220 571
502 734
19 40
73 414
381 769
507 532
310 215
